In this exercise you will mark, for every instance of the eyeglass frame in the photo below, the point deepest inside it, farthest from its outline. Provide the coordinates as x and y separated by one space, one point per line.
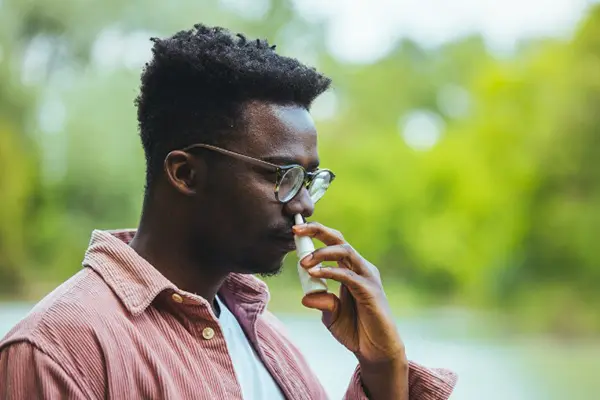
279 169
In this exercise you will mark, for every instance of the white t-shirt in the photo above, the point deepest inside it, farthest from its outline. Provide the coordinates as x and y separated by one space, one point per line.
254 379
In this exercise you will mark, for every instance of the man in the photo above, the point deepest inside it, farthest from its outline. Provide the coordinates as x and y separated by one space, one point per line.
172 310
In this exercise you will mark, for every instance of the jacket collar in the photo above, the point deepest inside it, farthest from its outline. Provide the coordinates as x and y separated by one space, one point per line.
137 283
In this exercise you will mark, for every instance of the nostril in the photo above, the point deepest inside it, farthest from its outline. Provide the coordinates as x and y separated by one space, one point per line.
301 204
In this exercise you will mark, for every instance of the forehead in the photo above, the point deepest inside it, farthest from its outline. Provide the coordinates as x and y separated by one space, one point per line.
272 130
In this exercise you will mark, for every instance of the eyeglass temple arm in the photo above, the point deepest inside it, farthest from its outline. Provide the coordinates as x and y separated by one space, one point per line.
243 157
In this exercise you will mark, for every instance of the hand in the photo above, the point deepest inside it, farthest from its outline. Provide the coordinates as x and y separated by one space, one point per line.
360 318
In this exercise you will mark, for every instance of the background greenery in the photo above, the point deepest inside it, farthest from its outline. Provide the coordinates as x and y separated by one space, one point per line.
501 213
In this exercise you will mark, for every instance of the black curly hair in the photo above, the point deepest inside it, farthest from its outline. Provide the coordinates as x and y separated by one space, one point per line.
194 88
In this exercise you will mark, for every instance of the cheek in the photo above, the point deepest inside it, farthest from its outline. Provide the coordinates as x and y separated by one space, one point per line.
250 201
257 189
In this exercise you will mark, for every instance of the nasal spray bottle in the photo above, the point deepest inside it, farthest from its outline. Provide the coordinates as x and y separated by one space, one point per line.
305 246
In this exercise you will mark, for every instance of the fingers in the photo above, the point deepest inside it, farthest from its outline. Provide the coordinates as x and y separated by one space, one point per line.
337 250
344 254
354 282
320 232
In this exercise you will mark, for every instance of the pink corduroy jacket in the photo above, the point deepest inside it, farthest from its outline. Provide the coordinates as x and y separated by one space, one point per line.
119 329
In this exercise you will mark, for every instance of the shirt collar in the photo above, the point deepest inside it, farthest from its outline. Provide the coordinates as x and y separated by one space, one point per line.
137 283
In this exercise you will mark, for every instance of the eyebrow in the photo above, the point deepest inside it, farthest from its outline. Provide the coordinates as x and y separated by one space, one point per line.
282 161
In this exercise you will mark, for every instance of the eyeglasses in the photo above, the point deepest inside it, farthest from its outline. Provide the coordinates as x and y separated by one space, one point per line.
290 178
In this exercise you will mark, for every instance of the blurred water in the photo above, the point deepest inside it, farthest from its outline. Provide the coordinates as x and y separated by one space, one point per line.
490 365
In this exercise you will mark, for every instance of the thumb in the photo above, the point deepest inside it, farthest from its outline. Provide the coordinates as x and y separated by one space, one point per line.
328 303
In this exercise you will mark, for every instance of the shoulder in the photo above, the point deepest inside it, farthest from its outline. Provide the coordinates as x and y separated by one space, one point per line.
27 372
64 324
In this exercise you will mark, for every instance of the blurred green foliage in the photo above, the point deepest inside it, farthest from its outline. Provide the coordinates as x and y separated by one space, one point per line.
502 212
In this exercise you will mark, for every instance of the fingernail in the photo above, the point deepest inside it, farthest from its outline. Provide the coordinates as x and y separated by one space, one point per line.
306 259
314 269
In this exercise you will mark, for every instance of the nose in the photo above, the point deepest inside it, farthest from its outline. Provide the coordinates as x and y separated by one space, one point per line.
300 204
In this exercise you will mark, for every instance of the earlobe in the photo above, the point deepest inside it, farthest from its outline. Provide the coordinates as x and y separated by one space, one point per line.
181 172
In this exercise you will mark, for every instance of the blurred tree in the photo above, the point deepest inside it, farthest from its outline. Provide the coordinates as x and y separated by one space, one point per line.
17 174
562 251
499 208
15 186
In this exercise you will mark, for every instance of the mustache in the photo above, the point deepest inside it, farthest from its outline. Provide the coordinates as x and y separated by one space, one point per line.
282 230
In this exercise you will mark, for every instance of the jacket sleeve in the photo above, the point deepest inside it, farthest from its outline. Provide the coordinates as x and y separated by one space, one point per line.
28 373
424 384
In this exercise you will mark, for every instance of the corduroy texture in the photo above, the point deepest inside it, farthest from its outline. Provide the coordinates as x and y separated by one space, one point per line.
115 330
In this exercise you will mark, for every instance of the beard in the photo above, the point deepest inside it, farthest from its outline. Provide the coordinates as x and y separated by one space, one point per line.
263 256
270 274
275 270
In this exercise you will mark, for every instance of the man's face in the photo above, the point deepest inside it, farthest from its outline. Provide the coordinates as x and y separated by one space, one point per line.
240 224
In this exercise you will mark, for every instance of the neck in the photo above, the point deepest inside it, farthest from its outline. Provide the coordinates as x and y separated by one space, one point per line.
165 249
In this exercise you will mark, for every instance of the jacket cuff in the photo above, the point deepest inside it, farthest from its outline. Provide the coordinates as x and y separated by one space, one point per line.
424 383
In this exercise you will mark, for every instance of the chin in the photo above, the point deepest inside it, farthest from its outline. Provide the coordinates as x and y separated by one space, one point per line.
268 269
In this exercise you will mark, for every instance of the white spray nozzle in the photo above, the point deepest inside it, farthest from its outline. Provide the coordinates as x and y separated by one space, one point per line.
298 219
305 246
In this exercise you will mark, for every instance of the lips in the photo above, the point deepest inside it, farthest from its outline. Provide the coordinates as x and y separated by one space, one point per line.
288 245
285 240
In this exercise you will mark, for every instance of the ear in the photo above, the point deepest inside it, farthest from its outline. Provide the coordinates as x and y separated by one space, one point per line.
184 172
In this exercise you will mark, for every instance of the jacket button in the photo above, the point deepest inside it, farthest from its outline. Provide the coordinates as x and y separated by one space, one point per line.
208 333
177 298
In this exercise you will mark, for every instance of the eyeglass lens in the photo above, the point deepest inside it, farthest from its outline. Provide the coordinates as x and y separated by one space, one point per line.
293 179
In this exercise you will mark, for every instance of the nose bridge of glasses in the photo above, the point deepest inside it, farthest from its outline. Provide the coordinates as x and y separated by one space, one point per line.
308 177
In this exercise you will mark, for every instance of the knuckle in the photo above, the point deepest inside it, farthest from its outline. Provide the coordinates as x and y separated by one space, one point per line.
338 233
374 270
315 224
348 249
349 273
